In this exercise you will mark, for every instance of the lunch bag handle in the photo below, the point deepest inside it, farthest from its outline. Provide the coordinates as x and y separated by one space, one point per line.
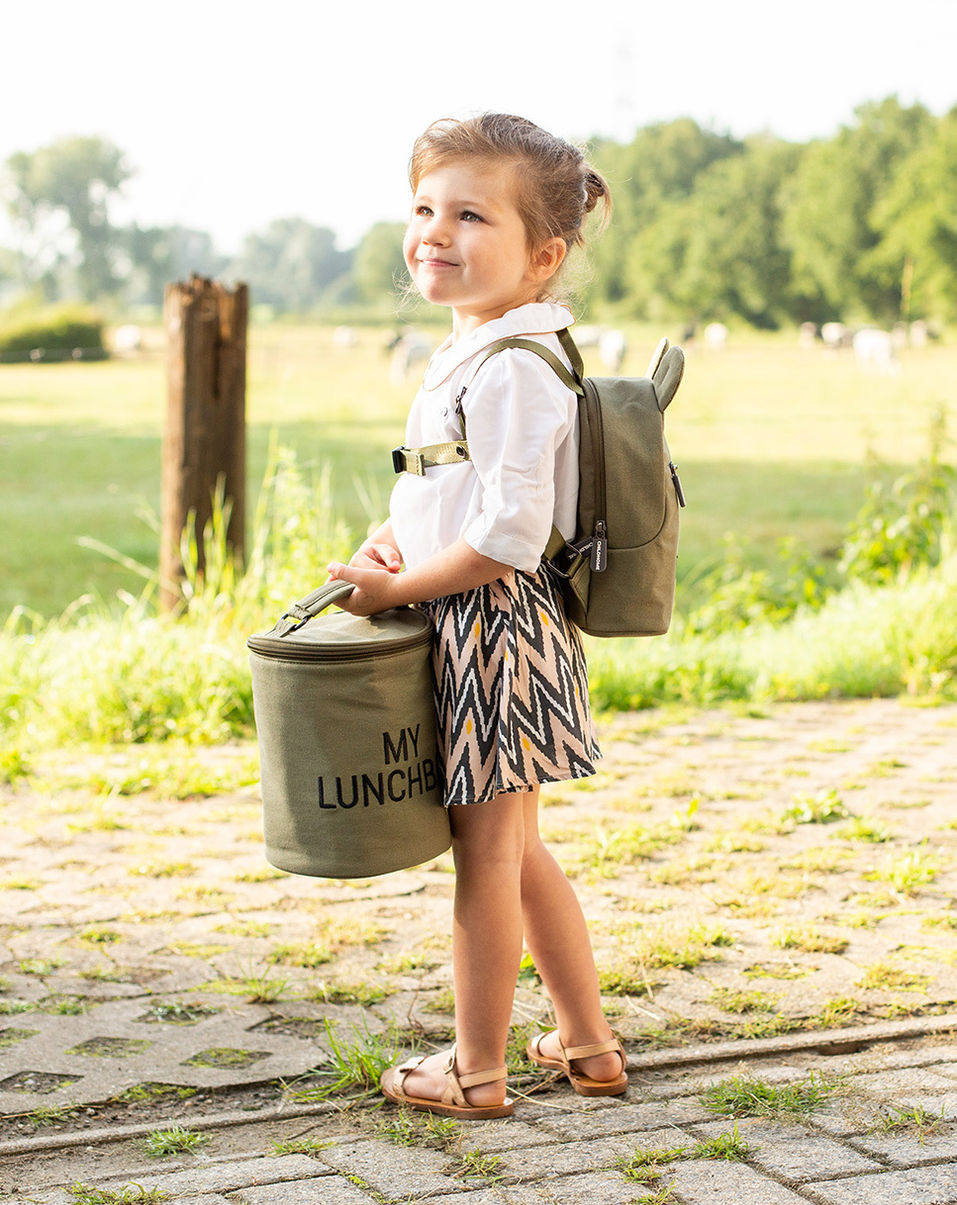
308 607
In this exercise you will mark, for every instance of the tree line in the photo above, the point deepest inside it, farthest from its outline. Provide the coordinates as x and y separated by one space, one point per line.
861 227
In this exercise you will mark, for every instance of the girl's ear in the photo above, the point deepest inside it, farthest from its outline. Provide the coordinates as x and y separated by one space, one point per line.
546 261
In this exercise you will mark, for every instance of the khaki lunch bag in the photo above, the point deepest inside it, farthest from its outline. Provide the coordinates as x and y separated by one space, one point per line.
618 571
346 724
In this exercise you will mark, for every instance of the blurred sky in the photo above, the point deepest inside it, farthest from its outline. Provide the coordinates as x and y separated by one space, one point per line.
235 113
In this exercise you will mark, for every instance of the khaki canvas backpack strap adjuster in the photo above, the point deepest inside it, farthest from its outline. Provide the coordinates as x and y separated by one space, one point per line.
417 460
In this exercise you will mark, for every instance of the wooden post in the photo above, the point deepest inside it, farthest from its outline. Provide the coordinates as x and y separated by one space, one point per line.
205 436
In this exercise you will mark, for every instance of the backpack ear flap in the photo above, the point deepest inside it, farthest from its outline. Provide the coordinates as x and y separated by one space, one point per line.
667 376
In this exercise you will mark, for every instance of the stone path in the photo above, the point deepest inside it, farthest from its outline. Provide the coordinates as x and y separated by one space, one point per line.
772 899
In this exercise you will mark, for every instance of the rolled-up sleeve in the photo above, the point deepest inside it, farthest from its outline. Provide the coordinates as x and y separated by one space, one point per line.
517 413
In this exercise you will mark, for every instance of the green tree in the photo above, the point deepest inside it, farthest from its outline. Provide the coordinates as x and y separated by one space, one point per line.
159 255
291 265
59 199
379 264
657 170
829 221
734 263
917 218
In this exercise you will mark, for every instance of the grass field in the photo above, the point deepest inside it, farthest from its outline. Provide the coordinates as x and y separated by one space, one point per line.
772 441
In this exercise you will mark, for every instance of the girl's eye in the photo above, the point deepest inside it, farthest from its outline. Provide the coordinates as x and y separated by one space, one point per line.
469 215
422 211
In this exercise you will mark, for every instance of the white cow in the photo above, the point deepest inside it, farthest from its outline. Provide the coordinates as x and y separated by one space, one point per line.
716 335
875 349
612 346
409 348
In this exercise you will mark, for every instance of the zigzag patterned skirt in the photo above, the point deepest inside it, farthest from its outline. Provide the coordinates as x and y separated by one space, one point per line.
511 689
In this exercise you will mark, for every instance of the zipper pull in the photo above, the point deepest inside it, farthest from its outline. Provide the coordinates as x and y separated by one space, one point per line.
679 492
599 548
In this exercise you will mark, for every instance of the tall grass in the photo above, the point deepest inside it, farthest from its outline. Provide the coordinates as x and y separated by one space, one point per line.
93 676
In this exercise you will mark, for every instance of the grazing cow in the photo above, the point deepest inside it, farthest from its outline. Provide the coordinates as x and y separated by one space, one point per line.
344 336
716 336
127 339
612 346
875 349
408 349
835 335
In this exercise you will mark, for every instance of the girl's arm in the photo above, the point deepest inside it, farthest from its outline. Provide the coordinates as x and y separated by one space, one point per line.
451 571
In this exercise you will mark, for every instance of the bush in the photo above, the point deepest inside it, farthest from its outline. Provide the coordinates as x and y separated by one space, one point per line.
906 522
58 332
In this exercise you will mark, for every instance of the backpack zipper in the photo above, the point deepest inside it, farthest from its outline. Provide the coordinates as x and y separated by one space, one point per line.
598 554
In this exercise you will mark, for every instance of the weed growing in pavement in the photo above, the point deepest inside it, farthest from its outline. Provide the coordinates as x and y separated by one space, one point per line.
647 1166
51 1115
863 829
9 1008
306 1144
478 1166
405 1127
915 1119
348 993
355 1064
822 808
841 1010
884 977
733 1000
149 1092
177 1140
132 1194
810 940
746 1096
906 872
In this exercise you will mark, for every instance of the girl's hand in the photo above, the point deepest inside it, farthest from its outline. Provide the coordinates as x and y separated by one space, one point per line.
375 589
377 556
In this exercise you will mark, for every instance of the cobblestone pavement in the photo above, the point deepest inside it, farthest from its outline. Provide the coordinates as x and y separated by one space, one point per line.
780 884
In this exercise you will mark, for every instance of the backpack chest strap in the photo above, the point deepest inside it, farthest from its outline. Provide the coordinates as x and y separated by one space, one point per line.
417 460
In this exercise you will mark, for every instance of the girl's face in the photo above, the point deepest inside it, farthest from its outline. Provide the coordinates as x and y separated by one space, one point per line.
466 246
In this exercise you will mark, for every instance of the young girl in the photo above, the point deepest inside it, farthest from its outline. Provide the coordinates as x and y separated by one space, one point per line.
497 205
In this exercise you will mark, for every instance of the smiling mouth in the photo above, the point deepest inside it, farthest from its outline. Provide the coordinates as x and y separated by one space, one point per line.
434 262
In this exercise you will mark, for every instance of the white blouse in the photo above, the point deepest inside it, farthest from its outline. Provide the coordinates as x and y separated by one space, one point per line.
522 431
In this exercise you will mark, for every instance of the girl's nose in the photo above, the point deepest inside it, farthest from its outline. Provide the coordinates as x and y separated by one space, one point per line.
435 232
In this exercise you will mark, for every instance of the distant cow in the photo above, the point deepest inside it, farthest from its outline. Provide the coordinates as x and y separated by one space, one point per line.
835 335
408 349
612 346
715 335
875 349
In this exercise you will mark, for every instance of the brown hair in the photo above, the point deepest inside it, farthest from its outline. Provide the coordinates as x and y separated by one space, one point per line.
556 186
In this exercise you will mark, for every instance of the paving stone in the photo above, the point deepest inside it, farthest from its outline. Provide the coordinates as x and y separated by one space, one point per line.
916 1186
792 1151
908 1149
323 1190
394 1171
504 1135
626 1119
710 1182
597 1188
563 1159
226 1175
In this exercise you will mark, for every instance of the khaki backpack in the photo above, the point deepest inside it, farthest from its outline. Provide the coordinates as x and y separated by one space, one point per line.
618 571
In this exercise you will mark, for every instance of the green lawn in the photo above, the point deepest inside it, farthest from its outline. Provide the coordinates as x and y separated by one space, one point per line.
771 441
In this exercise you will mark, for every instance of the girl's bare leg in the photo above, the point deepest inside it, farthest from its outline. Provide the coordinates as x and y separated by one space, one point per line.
557 938
487 845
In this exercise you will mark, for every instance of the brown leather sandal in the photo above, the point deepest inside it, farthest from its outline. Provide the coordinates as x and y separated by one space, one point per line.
581 1083
452 1102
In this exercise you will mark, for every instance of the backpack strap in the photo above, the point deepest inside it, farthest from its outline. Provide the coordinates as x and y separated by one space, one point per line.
417 460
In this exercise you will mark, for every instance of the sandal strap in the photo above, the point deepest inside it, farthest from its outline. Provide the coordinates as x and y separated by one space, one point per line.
456 1082
586 1052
